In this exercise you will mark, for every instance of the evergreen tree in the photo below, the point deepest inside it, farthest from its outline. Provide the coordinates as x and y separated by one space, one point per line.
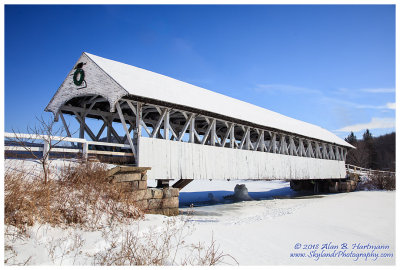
351 139
367 136
370 149
357 156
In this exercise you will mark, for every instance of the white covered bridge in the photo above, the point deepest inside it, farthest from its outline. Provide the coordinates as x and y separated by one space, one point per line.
183 131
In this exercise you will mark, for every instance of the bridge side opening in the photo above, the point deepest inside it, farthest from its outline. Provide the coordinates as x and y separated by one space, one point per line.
169 123
89 117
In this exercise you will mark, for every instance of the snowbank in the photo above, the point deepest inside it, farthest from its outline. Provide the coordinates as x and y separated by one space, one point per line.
277 227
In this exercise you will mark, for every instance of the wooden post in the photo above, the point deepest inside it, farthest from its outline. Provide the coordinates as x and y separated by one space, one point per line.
213 132
191 130
166 125
138 129
232 137
109 123
46 148
82 126
85 148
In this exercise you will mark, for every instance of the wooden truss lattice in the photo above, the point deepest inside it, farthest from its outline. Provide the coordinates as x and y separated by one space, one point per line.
166 123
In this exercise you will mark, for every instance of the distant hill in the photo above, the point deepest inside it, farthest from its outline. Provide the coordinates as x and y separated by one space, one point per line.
385 146
377 153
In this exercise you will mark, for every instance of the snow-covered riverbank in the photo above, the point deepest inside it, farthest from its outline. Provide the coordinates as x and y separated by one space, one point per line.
279 226
268 230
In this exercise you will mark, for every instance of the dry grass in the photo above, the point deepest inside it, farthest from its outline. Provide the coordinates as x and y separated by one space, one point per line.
165 245
381 181
81 195
384 181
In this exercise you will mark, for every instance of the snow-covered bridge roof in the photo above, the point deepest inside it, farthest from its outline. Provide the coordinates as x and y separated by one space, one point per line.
143 83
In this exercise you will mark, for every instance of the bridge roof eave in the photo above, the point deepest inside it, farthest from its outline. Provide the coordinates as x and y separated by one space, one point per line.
148 84
122 80
222 117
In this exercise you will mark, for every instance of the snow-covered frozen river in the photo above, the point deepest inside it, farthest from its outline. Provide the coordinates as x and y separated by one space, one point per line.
280 225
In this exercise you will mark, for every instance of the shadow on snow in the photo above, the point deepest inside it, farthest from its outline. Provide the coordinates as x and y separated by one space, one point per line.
204 198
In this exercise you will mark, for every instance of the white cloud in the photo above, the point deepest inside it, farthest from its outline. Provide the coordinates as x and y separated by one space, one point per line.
379 90
364 106
286 88
391 105
375 123
388 105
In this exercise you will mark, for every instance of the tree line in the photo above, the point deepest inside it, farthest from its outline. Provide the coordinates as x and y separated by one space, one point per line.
377 153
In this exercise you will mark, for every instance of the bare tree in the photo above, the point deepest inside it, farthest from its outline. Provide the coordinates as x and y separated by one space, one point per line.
358 156
45 130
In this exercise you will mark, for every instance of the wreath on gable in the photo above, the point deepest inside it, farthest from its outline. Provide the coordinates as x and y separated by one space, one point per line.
81 74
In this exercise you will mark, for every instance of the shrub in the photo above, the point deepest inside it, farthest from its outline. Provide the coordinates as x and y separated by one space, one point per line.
384 181
81 195
165 245
381 181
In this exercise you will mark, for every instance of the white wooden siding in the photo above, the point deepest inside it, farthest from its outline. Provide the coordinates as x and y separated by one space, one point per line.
180 160
97 83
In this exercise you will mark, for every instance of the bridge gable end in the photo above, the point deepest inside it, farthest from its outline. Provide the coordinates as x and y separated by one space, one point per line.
86 78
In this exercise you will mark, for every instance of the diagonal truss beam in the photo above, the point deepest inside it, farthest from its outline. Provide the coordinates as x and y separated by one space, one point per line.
210 125
318 153
310 151
228 132
292 147
84 126
158 125
185 127
103 127
66 127
112 130
126 129
244 138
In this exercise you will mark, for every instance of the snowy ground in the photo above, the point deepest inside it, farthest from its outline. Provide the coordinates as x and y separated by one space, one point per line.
266 230
278 227
33 168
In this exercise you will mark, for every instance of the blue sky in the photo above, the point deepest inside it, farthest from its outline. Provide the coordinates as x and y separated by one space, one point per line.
333 66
